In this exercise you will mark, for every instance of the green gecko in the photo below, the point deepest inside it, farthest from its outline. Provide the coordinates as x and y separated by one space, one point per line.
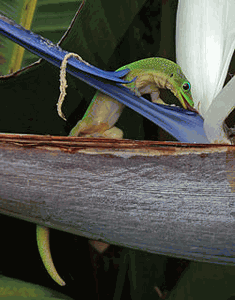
152 74
103 112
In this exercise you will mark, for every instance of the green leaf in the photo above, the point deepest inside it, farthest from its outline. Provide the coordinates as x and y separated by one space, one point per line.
11 54
18 289
205 281
51 20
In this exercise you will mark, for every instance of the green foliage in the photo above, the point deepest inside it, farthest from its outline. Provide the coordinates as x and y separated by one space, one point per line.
51 20
11 54
205 281
18 289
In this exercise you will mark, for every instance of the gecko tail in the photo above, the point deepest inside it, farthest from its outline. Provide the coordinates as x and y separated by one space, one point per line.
44 250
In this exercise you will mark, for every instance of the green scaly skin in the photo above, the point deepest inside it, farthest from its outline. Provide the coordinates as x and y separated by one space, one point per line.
104 111
42 234
152 74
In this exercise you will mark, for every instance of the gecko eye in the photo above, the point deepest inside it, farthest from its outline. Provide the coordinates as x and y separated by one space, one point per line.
186 86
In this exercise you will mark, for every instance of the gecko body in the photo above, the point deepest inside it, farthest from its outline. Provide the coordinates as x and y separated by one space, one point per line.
151 75
103 112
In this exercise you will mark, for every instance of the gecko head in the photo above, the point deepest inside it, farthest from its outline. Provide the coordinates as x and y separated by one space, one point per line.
170 76
181 88
185 96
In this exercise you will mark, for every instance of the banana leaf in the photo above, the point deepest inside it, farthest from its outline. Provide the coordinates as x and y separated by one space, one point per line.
12 287
11 54
51 20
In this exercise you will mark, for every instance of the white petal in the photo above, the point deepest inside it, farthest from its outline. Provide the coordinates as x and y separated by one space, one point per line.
205 42
220 107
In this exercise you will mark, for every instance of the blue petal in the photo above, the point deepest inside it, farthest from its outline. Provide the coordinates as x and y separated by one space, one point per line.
50 52
183 125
